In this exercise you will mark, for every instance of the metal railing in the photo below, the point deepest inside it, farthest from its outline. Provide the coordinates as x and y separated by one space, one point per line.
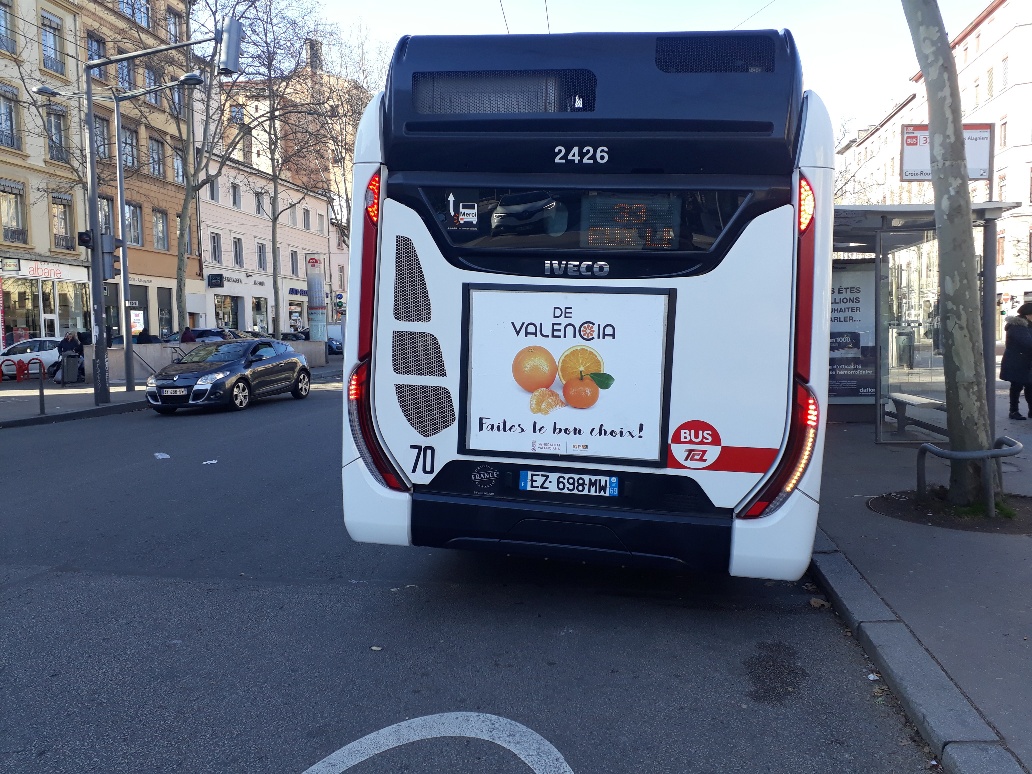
64 242
984 455
58 152
54 64
17 235
8 43
10 139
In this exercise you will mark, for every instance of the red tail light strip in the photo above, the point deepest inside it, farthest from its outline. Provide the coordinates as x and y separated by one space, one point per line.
360 416
806 255
370 233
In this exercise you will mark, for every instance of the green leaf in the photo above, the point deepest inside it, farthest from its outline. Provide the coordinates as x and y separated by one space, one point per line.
604 381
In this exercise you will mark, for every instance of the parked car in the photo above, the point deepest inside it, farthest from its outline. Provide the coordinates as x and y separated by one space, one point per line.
44 348
230 373
292 336
216 334
334 347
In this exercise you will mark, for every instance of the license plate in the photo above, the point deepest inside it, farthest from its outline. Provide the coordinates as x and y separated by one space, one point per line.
569 483
174 391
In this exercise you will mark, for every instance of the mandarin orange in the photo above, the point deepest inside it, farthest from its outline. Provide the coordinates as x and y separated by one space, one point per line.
534 368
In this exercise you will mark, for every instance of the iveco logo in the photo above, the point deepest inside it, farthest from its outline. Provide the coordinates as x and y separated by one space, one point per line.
577 268
175 378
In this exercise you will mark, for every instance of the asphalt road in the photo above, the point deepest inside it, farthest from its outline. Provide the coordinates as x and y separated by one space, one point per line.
206 612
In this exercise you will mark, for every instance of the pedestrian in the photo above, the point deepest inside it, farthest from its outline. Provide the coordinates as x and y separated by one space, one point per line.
187 336
1016 365
144 337
70 343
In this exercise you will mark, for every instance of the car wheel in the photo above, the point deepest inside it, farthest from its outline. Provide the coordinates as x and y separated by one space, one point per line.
165 409
302 386
241 395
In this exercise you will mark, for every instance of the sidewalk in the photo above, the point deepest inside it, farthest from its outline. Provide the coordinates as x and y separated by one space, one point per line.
19 401
945 614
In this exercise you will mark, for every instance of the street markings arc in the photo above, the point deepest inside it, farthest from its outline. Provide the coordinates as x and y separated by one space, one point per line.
527 745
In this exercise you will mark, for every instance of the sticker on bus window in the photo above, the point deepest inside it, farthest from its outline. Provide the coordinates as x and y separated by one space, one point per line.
565 373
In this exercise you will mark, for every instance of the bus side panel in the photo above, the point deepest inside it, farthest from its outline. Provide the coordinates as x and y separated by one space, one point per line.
777 546
373 513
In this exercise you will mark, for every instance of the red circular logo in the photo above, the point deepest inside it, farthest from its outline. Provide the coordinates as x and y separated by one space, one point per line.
694 444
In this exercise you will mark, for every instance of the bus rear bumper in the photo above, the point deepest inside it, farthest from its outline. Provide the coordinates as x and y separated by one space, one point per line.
779 546
373 513
677 542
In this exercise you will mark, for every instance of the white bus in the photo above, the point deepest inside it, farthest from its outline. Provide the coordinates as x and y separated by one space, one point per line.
589 282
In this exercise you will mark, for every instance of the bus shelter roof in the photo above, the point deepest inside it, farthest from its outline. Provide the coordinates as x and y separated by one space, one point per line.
901 225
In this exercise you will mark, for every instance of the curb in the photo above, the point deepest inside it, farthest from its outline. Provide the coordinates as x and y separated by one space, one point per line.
958 735
68 416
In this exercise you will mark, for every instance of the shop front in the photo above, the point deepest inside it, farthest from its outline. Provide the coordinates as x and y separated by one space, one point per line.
297 298
42 299
261 305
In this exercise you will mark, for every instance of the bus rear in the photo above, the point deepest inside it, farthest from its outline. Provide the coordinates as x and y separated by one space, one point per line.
589 286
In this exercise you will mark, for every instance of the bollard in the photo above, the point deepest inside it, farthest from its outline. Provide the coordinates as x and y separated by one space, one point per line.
42 376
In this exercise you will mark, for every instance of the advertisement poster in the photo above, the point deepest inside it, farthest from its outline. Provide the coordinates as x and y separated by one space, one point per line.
567 373
852 354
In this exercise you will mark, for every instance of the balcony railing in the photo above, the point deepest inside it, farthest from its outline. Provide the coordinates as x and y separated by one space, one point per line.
54 64
58 152
7 43
64 242
10 139
17 235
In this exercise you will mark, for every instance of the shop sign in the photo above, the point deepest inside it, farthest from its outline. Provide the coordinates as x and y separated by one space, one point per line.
10 264
296 292
215 281
260 283
36 269
140 280
231 278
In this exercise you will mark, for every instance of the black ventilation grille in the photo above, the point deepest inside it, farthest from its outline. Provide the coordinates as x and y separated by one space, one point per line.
416 353
429 409
716 54
411 299
503 91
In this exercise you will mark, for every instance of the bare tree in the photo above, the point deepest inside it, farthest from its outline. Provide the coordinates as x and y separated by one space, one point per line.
967 415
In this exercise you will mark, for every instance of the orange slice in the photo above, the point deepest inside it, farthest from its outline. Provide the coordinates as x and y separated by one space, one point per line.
545 401
578 360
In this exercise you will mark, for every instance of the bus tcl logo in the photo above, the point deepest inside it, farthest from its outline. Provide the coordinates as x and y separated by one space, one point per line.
577 268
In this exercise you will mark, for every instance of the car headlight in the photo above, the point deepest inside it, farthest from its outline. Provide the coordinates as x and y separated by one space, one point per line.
151 381
211 378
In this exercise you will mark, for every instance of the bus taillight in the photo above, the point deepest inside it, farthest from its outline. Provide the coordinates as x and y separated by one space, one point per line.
806 249
807 204
372 199
802 438
370 235
360 417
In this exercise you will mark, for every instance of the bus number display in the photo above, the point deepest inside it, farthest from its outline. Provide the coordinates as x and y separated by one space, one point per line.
581 155
635 221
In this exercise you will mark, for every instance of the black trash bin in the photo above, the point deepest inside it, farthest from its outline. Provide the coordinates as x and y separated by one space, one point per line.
69 367
905 347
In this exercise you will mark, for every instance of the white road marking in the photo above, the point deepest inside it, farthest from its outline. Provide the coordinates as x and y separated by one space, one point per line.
529 746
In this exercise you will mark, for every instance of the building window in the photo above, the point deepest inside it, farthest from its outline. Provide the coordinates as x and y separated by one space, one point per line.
238 252
293 215
247 149
989 85
129 147
12 211
150 80
160 230
213 189
1001 243
126 74
1001 188
50 40
178 171
1003 133
1004 67
322 223
234 195
306 219
138 10
175 101
61 221
216 247
236 114
107 209
7 41
263 259
57 134
294 268
259 203
134 225
173 25
156 152
9 136
102 137
978 94
96 49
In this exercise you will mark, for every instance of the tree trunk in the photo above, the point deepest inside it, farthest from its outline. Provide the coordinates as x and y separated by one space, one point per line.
274 214
967 416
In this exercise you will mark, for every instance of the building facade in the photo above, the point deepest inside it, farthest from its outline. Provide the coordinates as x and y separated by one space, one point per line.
994 63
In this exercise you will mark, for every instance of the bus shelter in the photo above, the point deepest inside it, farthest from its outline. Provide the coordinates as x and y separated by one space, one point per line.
886 357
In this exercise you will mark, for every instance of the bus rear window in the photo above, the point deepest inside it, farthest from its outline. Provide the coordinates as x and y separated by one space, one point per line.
564 219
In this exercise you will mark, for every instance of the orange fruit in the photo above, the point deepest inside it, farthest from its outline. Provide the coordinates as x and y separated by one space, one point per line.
545 401
581 393
534 368
579 360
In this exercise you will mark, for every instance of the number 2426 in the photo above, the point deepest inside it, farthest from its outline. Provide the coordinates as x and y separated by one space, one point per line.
582 155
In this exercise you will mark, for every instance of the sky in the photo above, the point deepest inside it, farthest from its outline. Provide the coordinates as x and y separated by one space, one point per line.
857 56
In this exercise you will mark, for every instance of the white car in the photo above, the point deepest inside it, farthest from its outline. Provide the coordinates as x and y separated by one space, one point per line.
45 349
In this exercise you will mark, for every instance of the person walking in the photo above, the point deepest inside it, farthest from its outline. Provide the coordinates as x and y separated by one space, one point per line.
1016 365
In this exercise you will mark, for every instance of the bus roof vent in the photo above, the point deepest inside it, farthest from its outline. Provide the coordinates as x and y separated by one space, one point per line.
715 54
503 91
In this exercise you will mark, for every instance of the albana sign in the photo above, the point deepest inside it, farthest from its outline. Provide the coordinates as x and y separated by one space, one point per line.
916 158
